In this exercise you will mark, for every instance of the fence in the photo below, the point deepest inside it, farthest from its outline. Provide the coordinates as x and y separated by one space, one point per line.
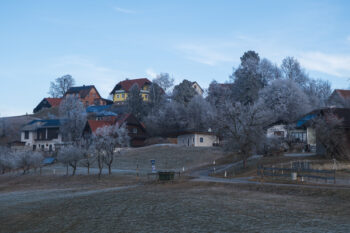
296 173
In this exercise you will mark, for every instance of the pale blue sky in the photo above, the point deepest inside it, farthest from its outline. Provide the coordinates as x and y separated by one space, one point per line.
104 42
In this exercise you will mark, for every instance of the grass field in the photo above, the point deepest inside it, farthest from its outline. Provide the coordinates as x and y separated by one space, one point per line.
125 204
167 157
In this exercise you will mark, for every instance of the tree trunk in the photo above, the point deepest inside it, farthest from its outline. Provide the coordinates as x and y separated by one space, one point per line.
67 170
109 169
244 163
88 167
40 170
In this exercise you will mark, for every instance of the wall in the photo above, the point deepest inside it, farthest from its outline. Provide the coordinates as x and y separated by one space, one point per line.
195 140
311 136
277 128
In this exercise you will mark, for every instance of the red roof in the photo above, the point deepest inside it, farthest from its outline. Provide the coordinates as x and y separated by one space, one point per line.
95 124
343 93
54 102
127 84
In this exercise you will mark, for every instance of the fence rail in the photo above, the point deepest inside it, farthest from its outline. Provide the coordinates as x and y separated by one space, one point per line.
297 173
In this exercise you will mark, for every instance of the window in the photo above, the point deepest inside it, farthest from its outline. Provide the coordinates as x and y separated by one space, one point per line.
146 96
94 95
118 96
123 96
134 130
26 134
278 133
201 140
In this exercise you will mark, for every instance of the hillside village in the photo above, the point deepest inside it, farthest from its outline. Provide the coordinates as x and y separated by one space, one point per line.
268 126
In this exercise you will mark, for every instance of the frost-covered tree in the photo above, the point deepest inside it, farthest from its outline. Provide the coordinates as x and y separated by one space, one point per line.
26 160
242 127
218 93
248 80
70 156
183 92
292 70
269 71
157 97
135 103
164 81
200 113
88 150
285 99
61 85
107 140
318 91
7 160
73 118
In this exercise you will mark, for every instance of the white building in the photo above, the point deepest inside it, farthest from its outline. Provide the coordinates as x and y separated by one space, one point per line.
42 134
197 88
197 139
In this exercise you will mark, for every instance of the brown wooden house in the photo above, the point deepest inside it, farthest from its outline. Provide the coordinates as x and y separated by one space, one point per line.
88 95
137 131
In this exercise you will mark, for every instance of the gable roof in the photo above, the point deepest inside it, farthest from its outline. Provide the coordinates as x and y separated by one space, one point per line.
128 83
83 91
37 124
54 102
343 93
120 120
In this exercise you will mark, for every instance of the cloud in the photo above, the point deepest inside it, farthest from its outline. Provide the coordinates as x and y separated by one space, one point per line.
204 54
151 73
88 72
332 64
123 10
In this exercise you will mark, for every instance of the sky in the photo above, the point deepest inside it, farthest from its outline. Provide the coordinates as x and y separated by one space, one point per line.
103 42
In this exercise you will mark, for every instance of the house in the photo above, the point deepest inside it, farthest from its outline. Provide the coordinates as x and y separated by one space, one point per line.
339 98
137 131
47 103
277 130
88 95
197 139
121 90
306 123
197 88
42 134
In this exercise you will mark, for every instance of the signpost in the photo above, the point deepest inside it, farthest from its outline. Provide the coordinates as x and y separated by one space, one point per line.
153 162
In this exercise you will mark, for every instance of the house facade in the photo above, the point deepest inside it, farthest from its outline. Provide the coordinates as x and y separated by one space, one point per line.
42 135
197 139
47 103
197 88
88 95
121 90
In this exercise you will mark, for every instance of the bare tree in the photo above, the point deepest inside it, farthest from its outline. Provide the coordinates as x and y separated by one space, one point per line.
292 70
70 155
242 127
107 139
88 150
61 86
164 81
73 118
331 135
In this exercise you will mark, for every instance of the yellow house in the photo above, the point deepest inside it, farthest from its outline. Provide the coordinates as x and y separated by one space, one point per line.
121 90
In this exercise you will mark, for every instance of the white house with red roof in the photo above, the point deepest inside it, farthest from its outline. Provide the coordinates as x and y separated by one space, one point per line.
121 90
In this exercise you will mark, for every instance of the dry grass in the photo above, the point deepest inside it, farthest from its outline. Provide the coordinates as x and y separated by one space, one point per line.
181 206
167 157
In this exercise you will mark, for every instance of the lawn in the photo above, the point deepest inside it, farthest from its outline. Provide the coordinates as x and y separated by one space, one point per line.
167 157
128 205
